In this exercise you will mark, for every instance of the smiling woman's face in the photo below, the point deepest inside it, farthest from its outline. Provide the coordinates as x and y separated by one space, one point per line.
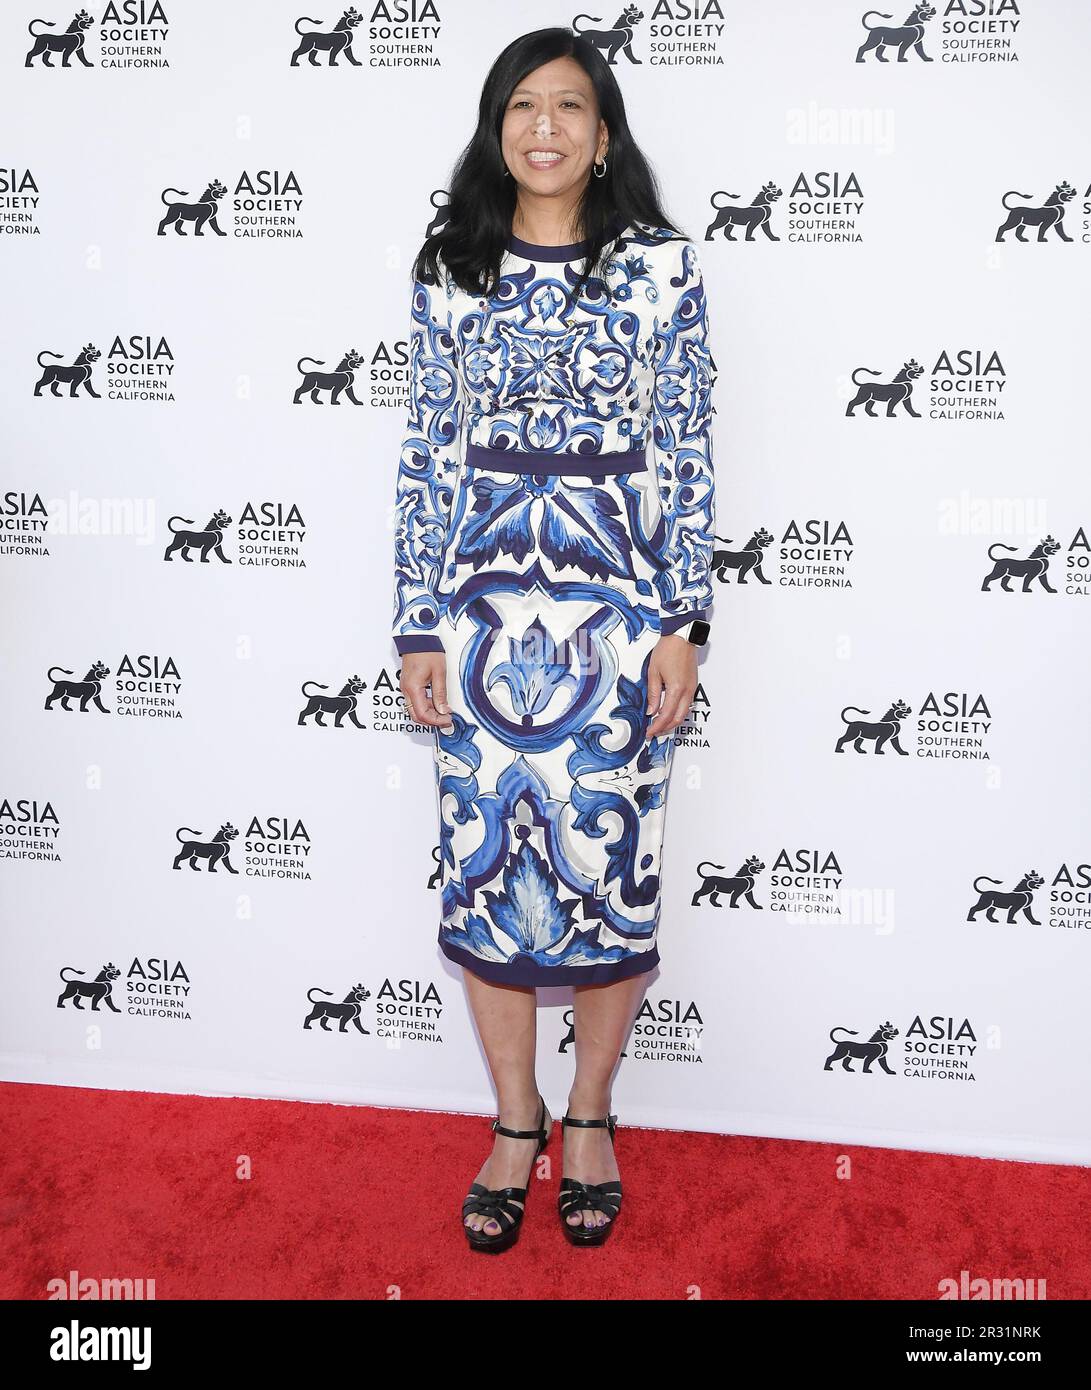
552 132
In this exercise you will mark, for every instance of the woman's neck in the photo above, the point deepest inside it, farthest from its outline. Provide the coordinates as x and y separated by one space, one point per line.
543 226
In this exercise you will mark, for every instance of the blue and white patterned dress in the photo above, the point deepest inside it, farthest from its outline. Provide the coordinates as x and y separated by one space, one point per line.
555 514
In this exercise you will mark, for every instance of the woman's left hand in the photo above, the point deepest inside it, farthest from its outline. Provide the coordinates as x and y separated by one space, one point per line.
672 676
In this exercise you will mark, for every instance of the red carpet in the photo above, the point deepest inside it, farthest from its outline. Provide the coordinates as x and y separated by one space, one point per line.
346 1202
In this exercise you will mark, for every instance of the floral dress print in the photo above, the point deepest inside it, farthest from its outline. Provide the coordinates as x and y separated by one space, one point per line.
555 515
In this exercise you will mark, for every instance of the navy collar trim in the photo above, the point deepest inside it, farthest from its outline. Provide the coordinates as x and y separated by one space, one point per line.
572 251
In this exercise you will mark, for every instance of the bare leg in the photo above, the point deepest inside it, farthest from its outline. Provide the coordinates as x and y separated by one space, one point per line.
506 1017
604 1015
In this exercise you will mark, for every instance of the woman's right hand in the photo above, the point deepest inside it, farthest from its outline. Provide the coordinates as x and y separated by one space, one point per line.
419 670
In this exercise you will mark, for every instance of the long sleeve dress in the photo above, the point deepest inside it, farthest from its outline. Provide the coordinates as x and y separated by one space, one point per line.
554 515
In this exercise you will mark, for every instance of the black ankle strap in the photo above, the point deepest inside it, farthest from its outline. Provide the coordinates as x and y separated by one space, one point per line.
498 1128
538 1133
609 1122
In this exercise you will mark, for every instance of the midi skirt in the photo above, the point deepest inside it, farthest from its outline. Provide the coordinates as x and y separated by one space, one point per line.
552 799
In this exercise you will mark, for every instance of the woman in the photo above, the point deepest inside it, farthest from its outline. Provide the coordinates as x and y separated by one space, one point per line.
554 534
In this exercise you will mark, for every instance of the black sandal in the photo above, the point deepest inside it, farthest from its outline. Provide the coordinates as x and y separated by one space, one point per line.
500 1204
579 1196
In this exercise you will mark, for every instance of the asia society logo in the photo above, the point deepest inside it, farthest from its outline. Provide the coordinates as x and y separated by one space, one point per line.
951 725
668 1030
342 706
385 710
695 729
683 34
269 534
139 367
984 32
132 34
940 1048
1011 902
962 384
404 1011
402 34
1046 559
805 885
262 203
155 987
823 205
24 521
20 198
273 847
29 829
811 554
384 379
146 686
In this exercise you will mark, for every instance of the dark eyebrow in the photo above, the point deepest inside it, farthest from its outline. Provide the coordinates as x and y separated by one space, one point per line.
564 92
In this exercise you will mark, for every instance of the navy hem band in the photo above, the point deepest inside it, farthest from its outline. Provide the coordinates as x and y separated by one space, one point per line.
422 642
532 975
671 622
534 461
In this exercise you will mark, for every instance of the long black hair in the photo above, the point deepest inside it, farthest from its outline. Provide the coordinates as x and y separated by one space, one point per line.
482 198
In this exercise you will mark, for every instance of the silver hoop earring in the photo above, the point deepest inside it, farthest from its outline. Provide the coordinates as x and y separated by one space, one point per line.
595 169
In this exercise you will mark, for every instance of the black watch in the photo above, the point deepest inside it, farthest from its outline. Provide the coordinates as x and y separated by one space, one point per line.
697 632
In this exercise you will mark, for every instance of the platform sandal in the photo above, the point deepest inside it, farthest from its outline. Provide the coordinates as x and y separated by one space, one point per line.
579 1196
500 1203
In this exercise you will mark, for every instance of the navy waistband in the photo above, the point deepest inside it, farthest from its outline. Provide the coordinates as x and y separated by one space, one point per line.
535 462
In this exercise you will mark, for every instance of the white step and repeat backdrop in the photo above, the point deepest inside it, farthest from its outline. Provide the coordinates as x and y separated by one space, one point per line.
877 924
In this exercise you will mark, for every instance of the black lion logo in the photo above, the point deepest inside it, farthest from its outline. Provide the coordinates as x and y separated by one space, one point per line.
215 850
345 1012
739 885
97 990
885 730
874 1050
335 382
209 538
344 702
1018 900
71 41
903 37
200 213
337 42
743 562
894 393
85 690
1031 567
1050 214
753 217
75 374
613 41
